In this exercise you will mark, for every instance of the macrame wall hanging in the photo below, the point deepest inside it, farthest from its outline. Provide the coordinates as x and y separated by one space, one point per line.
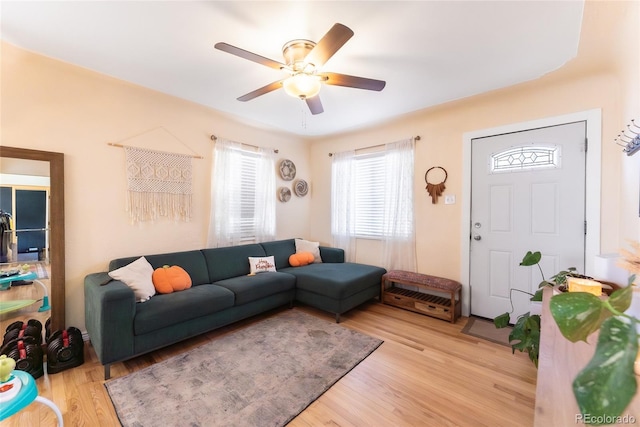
158 185
158 182
435 190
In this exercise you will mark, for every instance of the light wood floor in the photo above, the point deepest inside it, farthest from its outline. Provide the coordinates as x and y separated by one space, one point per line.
426 373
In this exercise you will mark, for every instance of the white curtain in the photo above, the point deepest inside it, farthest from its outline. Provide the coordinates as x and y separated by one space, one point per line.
399 244
343 179
225 224
398 228
264 213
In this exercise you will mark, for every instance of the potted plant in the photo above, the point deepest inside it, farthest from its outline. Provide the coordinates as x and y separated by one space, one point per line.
604 387
525 336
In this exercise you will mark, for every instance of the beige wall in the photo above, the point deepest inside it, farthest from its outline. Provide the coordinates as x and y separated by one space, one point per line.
439 226
592 81
627 60
53 106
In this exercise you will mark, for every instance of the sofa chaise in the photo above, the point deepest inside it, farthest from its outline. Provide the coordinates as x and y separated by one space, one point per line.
222 293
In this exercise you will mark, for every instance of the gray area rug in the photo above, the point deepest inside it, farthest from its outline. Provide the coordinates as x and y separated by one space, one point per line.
262 375
485 329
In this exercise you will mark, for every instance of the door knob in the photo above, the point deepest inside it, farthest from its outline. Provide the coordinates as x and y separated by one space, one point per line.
477 237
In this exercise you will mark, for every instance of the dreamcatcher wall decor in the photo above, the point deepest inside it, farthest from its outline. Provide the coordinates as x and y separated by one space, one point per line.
435 190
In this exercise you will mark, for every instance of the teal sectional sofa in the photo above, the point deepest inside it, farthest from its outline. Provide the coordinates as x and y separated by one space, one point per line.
222 292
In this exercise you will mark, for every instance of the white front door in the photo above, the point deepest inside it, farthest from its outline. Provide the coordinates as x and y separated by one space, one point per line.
527 194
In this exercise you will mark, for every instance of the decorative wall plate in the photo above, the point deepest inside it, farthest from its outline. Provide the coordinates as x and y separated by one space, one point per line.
284 194
287 170
301 188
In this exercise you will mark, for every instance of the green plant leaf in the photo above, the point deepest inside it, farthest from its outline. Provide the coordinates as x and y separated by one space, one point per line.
519 334
537 296
620 300
577 314
561 276
531 258
546 283
607 384
525 336
501 321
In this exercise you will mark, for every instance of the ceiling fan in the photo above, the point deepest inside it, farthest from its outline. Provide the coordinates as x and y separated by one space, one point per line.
304 59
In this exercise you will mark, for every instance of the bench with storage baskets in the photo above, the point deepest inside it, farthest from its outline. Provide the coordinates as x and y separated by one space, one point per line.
426 300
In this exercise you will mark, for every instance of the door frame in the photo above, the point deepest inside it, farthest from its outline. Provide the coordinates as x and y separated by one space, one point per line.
593 119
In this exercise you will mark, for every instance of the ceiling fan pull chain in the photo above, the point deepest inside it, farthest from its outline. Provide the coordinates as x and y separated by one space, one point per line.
303 117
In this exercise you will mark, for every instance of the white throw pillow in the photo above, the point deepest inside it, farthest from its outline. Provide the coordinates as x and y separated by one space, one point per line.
308 246
137 276
261 264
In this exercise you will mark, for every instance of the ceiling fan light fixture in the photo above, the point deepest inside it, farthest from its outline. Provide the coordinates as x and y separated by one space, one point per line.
304 62
301 85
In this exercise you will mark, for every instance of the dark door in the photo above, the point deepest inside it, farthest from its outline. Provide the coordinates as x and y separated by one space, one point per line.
6 194
5 199
31 220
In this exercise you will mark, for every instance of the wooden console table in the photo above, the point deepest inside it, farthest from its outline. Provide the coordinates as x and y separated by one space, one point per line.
559 362
449 308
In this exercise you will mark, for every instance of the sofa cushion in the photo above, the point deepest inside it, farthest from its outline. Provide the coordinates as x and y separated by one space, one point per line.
192 261
261 264
261 285
301 258
170 278
232 261
281 251
336 280
170 309
138 276
308 246
331 254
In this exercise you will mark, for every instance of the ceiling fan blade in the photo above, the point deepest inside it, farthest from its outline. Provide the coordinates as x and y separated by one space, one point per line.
225 47
315 105
335 38
263 90
353 81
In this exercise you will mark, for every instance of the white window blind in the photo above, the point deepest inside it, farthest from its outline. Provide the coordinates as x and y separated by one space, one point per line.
369 195
242 211
243 208
247 190
372 197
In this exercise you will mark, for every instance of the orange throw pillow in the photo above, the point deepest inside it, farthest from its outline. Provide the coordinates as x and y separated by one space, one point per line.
169 279
301 258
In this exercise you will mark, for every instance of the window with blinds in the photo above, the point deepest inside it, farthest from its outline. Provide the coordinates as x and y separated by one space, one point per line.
246 187
369 197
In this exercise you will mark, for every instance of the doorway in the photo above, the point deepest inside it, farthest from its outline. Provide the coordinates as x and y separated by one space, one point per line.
593 120
527 193
31 224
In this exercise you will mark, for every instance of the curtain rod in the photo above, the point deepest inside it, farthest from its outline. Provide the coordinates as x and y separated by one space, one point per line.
417 138
215 138
115 144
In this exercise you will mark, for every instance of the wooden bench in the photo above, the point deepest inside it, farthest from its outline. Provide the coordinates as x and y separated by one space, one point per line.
423 302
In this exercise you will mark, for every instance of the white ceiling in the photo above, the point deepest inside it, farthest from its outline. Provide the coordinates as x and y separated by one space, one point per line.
428 52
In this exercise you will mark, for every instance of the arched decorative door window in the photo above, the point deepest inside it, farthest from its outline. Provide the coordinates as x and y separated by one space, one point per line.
525 158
